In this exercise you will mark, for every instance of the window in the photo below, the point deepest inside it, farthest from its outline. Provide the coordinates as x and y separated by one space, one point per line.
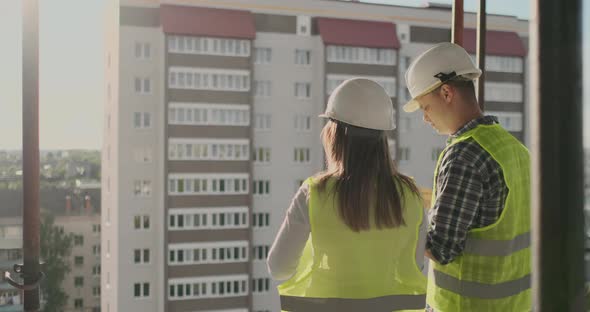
388 83
261 187
201 218
142 120
503 92
78 240
138 86
403 153
262 88
142 188
141 222
209 79
79 281
209 149
146 289
260 252
210 46
137 120
505 64
263 56
198 253
96 291
209 184
142 85
302 57
261 219
301 155
147 50
142 50
207 287
147 120
141 290
78 303
260 285
262 122
96 250
141 256
303 90
96 228
78 260
96 270
209 114
261 155
302 123
359 55
137 290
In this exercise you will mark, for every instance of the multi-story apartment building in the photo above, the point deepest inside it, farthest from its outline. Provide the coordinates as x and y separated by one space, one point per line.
75 212
211 125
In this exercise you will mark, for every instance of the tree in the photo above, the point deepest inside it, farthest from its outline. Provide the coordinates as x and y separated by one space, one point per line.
56 247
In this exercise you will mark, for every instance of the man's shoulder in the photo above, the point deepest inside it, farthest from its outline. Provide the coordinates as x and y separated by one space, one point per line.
464 151
469 153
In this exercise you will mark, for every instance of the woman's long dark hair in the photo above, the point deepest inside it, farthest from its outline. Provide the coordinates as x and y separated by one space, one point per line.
365 176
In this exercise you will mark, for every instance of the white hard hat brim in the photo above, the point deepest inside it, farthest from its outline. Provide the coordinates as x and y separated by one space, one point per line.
412 106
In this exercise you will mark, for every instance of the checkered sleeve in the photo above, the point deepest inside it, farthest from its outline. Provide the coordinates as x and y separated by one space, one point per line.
460 192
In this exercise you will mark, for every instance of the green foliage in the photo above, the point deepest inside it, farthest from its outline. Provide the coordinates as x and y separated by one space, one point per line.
56 247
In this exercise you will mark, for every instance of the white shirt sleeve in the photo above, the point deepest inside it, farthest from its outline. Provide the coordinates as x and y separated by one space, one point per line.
290 241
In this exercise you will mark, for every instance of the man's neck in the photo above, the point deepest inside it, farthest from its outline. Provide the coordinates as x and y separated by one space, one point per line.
466 117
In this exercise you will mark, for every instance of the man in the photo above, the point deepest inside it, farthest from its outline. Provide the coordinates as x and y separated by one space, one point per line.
478 238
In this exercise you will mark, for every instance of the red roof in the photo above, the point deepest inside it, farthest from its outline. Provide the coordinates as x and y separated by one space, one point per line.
358 33
502 43
199 21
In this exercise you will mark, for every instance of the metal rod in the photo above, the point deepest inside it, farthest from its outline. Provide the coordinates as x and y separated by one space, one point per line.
481 54
457 31
557 155
30 98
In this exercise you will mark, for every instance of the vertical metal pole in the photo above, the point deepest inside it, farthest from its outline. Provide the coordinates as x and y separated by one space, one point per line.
457 31
481 52
557 170
30 97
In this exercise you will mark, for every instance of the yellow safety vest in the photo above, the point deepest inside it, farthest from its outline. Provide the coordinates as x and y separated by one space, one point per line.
493 273
341 270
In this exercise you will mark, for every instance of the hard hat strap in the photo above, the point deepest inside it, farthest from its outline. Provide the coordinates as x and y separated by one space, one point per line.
445 77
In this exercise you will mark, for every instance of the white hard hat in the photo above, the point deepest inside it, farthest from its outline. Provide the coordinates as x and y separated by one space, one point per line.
437 65
363 103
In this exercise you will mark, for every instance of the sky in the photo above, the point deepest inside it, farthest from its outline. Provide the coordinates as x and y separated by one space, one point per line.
70 74
71 69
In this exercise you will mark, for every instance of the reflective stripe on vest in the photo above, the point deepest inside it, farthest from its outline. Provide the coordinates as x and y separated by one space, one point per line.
385 303
488 247
481 290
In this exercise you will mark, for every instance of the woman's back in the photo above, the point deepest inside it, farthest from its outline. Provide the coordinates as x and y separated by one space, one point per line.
364 264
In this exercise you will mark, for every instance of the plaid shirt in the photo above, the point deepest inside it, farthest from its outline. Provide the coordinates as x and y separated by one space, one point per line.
470 193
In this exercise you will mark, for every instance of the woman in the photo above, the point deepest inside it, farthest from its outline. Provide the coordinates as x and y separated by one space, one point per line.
351 240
